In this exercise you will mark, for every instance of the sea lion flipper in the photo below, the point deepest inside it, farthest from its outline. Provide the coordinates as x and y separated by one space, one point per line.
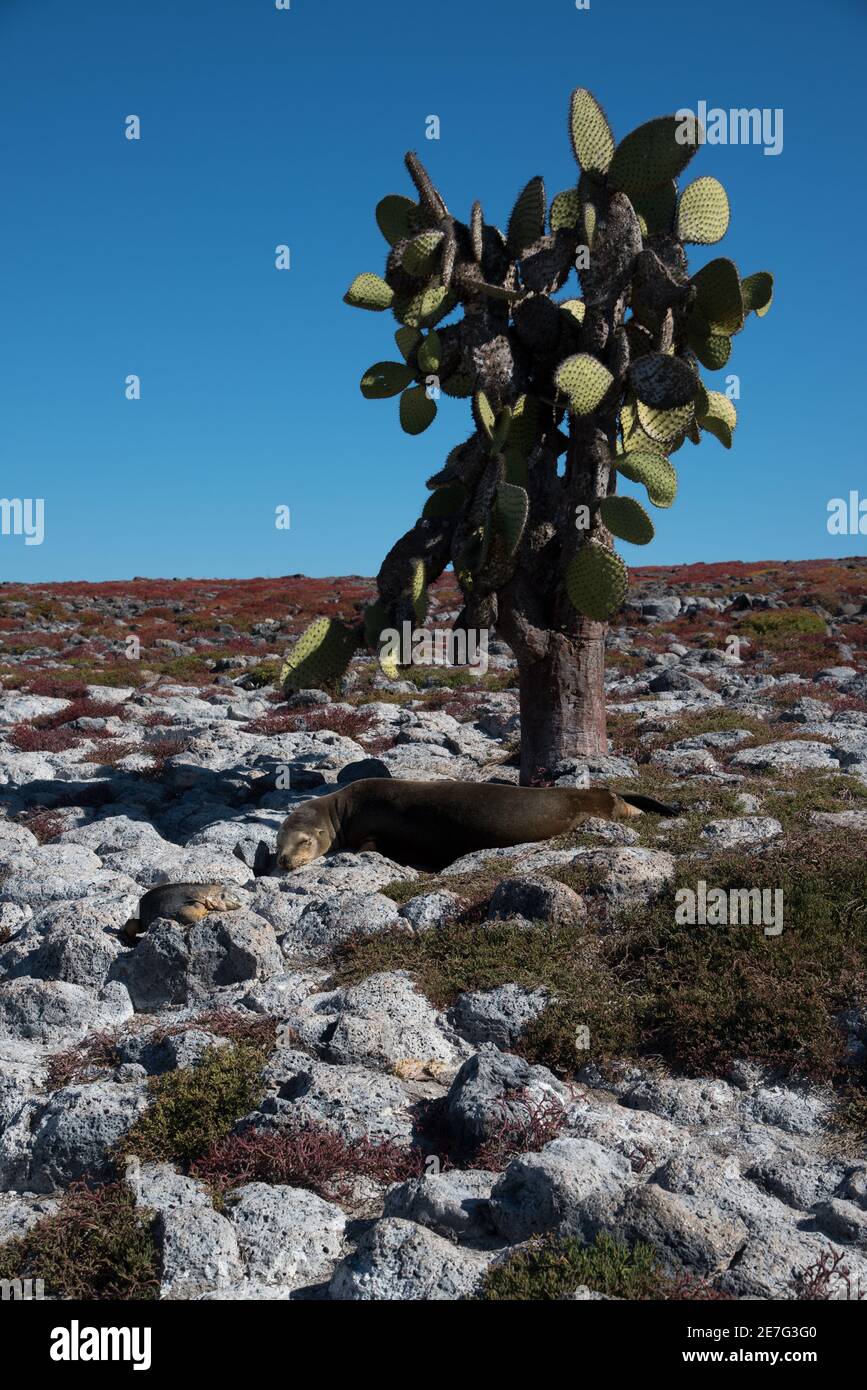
648 804
131 930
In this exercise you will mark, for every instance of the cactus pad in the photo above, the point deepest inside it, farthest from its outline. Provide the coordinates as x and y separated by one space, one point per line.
565 209
393 217
321 655
429 354
407 340
758 291
665 426
662 381
369 291
703 212
444 501
596 581
713 350
592 141
511 508
626 519
425 308
653 470
421 254
575 307
655 209
719 297
417 410
385 379
527 222
585 380
719 417
652 154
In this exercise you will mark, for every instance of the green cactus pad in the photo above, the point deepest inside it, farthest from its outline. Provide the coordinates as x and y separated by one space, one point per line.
596 581
459 385
421 254
393 217
565 209
593 200
407 340
485 414
713 351
590 133
758 292
426 307
376 620
385 379
524 425
369 291
654 471
627 519
321 654
585 380
662 381
719 417
515 467
417 410
418 591
444 501
511 508
655 209
665 426
719 297
652 154
703 212
576 307
527 222
501 429
429 354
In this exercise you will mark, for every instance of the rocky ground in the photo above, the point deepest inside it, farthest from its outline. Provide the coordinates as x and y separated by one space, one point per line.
519 1078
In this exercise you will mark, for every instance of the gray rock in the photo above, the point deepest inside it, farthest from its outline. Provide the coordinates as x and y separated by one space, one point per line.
324 924
495 1088
173 965
353 1101
537 898
398 1260
498 1016
55 1012
573 1187
794 755
431 910
842 1221
741 831
287 1235
199 1250
455 1203
76 1128
685 1231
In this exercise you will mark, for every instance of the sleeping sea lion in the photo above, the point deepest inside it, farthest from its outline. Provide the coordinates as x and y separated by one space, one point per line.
430 824
181 902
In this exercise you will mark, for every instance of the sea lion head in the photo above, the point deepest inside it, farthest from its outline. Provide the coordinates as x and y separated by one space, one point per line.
305 835
219 899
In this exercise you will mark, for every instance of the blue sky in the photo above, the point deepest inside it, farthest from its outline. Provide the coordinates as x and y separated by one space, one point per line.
261 127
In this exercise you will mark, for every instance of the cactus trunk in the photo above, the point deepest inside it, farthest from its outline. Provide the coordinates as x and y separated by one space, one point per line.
563 702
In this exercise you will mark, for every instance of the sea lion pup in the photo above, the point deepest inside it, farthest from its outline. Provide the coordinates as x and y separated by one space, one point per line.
181 902
430 824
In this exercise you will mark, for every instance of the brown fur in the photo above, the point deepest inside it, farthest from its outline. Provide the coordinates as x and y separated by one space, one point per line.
430 824
185 903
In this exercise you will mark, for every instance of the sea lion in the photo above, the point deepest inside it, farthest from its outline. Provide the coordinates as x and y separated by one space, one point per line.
180 902
430 824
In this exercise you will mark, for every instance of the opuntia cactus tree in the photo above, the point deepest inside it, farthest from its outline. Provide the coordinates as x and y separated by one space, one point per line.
571 398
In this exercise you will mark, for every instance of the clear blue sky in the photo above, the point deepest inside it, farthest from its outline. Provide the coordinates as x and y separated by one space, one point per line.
262 127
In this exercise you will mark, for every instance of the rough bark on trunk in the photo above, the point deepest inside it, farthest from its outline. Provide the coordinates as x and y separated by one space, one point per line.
563 702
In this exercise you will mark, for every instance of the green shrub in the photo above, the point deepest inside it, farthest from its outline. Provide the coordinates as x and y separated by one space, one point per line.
194 1107
552 1267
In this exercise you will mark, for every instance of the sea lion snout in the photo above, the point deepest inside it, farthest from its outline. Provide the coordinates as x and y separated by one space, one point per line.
222 901
304 836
